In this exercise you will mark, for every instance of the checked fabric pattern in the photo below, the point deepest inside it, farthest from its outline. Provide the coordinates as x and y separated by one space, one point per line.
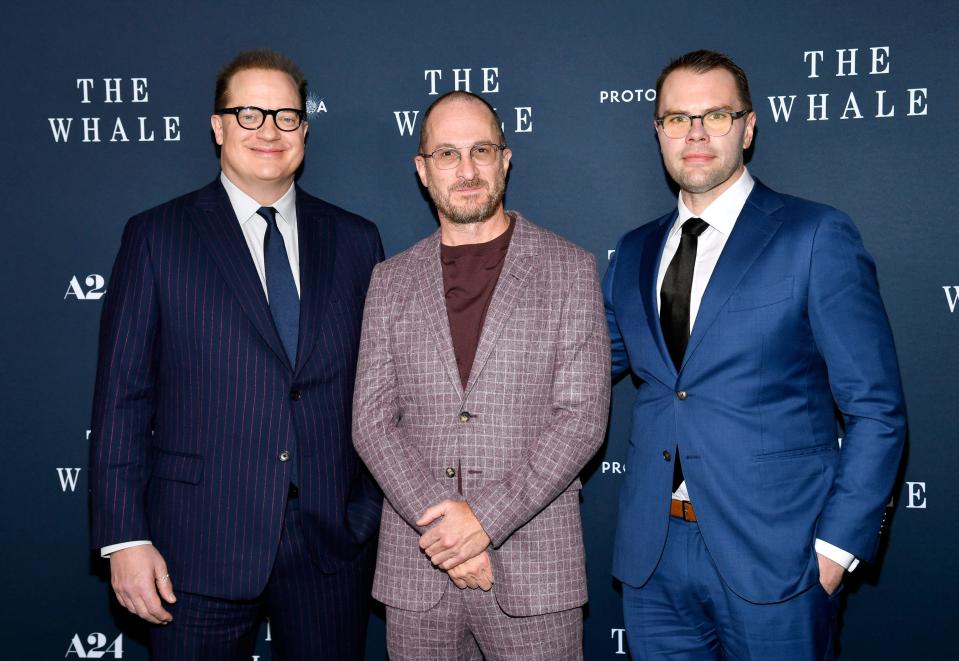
537 396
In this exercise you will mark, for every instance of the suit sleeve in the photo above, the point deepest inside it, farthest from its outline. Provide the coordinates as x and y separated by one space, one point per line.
619 357
124 396
581 383
366 500
380 440
853 335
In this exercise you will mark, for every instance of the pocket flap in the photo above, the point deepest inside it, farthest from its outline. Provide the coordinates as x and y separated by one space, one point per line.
747 299
177 467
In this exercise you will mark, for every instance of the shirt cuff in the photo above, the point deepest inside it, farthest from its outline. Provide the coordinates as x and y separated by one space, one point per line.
837 555
113 548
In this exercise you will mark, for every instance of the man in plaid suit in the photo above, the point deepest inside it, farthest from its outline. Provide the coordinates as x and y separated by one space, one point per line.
482 390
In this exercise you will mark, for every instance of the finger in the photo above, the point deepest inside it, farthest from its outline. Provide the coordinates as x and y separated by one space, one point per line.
432 513
165 588
435 540
440 549
151 599
472 582
460 583
452 559
142 610
485 585
434 545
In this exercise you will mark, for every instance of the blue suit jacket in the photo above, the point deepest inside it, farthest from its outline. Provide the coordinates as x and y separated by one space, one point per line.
195 397
791 338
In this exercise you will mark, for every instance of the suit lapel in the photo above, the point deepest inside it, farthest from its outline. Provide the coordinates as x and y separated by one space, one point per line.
648 272
317 243
518 265
430 297
220 231
751 234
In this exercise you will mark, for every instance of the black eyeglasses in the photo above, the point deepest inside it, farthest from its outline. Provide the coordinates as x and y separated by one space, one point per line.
251 118
716 123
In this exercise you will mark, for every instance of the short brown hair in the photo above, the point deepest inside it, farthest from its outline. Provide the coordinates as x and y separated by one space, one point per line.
460 95
703 61
262 58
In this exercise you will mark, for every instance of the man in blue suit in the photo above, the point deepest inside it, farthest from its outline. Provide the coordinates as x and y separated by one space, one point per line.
753 324
221 458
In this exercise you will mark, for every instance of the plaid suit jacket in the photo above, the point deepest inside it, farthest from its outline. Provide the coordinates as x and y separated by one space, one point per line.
537 399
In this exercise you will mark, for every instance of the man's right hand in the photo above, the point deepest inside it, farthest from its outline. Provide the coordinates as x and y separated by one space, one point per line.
139 577
477 572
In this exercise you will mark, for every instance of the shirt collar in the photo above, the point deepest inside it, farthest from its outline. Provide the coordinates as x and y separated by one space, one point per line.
722 213
245 206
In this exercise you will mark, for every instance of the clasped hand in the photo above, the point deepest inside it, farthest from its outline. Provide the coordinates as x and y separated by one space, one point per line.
457 544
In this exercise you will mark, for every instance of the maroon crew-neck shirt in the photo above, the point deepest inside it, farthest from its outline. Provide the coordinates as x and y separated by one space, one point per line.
470 274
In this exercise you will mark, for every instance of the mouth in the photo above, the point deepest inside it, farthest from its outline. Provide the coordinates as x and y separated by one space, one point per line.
696 158
266 152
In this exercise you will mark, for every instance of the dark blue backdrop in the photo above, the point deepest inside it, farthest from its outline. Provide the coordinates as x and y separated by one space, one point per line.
856 107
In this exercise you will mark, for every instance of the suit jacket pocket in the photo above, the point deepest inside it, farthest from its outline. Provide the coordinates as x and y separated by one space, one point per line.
793 465
749 299
177 466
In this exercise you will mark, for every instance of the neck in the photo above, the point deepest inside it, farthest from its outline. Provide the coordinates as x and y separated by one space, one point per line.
698 202
265 193
460 234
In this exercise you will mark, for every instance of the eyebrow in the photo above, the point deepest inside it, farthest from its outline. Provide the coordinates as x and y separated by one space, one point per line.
444 145
705 112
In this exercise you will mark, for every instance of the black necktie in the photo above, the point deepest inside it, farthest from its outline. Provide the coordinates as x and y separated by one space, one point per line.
674 298
280 286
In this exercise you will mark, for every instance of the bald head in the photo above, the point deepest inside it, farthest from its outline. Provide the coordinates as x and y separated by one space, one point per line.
460 97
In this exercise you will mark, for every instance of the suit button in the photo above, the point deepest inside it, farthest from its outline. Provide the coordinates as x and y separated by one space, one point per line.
450 472
296 395
284 455
666 455
682 395
465 417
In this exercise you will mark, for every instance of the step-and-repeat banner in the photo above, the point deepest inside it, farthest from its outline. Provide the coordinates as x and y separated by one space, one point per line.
106 113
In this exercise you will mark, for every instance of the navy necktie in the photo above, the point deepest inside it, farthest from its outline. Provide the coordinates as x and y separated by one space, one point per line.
280 287
675 295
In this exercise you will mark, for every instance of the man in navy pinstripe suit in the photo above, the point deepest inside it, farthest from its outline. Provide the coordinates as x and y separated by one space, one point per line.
224 482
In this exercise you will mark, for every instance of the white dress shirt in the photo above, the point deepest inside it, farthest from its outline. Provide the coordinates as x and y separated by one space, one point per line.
254 230
721 216
254 227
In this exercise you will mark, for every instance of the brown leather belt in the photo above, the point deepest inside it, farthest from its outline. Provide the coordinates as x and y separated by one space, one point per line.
682 509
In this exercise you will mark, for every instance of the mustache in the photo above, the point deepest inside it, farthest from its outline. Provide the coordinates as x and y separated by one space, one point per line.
475 182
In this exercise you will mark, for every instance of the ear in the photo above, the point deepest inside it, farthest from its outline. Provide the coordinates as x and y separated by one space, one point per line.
750 128
306 128
659 136
507 154
216 123
420 164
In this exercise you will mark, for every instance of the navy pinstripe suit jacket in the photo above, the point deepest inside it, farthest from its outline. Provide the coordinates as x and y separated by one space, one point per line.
195 397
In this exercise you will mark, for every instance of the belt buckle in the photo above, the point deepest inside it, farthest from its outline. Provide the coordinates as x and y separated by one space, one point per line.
687 511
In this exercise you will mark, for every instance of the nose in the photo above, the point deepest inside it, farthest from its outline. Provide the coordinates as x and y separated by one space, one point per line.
697 133
269 130
466 168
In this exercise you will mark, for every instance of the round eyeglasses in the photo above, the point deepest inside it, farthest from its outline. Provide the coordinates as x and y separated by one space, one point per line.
251 118
716 123
447 158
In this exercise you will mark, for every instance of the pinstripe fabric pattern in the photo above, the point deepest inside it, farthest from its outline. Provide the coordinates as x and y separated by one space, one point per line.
537 394
468 625
188 351
309 619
